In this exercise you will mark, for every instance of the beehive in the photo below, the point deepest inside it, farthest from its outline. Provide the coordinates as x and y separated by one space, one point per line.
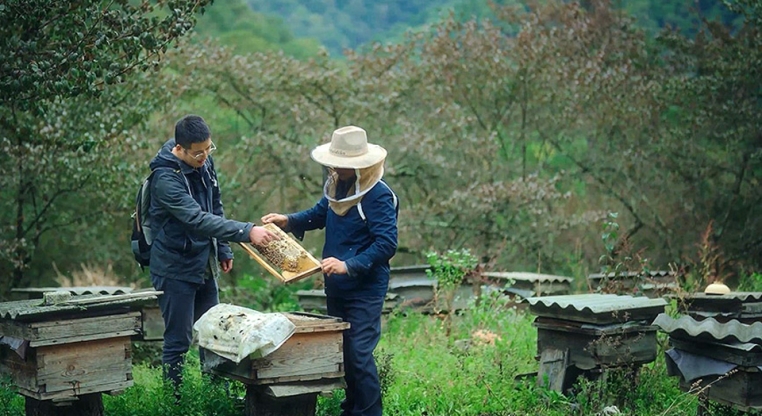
313 352
283 258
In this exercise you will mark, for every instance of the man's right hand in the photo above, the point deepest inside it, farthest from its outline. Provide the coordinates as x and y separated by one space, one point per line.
260 236
278 219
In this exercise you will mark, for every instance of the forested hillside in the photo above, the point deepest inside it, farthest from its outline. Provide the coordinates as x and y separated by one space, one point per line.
236 25
513 137
339 24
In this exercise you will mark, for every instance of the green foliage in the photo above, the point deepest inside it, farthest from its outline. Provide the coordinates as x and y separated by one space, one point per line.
750 282
74 84
199 395
450 268
264 294
11 404
53 50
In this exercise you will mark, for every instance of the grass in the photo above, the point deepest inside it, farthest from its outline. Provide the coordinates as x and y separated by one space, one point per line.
476 371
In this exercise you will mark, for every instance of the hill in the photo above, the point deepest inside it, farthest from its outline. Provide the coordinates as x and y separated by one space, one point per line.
339 24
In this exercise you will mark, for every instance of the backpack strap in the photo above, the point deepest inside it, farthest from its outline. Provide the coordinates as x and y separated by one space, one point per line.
359 204
187 185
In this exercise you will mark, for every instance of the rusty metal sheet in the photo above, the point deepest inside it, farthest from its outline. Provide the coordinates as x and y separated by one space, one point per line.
597 308
710 329
529 277
35 309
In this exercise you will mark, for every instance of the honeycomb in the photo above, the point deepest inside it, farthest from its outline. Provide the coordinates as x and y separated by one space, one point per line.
285 253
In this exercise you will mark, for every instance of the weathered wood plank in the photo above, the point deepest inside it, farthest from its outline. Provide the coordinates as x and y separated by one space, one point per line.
589 351
85 338
88 326
741 388
303 353
718 351
80 365
68 394
68 370
72 330
553 365
322 385
22 372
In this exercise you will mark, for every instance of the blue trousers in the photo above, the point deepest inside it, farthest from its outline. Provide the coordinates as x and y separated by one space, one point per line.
363 392
182 303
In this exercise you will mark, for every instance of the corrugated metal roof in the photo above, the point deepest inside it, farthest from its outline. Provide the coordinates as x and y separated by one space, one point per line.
651 274
407 269
78 290
710 329
739 296
736 304
34 309
527 276
597 308
421 281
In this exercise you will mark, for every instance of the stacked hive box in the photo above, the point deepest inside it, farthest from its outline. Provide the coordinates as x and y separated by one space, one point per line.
287 381
47 349
717 347
586 334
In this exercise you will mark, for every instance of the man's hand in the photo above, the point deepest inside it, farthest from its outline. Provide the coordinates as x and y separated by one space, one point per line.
260 236
226 265
332 265
278 219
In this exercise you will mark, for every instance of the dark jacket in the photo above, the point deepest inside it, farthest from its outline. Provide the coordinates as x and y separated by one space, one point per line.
187 202
365 246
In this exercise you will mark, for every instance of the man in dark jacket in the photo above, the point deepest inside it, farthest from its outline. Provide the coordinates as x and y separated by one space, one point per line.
359 213
186 251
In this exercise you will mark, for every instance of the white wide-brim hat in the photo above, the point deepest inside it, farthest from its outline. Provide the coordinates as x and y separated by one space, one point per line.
349 148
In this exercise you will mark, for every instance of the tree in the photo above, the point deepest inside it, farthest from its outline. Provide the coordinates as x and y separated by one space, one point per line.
70 77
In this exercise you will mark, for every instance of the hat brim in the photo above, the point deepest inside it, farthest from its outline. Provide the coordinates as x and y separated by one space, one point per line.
322 155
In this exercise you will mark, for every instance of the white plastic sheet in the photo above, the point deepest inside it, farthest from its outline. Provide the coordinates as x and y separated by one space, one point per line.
235 332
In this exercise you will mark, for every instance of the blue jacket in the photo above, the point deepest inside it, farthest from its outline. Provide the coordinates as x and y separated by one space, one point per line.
365 246
187 202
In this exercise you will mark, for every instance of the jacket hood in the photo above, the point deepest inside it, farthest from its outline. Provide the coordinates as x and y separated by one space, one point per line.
166 159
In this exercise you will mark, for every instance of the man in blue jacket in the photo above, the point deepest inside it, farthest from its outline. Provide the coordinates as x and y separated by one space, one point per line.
359 213
187 249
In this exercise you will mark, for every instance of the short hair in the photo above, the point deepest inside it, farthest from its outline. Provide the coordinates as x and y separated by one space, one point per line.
191 129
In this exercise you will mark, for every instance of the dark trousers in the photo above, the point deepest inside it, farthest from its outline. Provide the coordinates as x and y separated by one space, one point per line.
182 303
363 392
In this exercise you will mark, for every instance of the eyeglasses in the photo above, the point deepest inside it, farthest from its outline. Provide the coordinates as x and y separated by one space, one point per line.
203 153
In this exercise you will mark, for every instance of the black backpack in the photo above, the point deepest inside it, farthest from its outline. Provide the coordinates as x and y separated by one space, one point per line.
142 229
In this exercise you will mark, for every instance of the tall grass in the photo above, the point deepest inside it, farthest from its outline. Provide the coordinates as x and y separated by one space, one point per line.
483 368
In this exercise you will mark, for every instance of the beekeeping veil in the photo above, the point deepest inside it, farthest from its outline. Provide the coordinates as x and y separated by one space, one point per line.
349 149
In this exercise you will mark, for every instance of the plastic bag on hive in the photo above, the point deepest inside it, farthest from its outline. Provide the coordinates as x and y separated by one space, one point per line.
235 332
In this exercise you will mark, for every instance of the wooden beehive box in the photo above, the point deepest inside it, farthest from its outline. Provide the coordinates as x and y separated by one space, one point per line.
741 388
314 300
314 352
285 258
590 346
67 358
